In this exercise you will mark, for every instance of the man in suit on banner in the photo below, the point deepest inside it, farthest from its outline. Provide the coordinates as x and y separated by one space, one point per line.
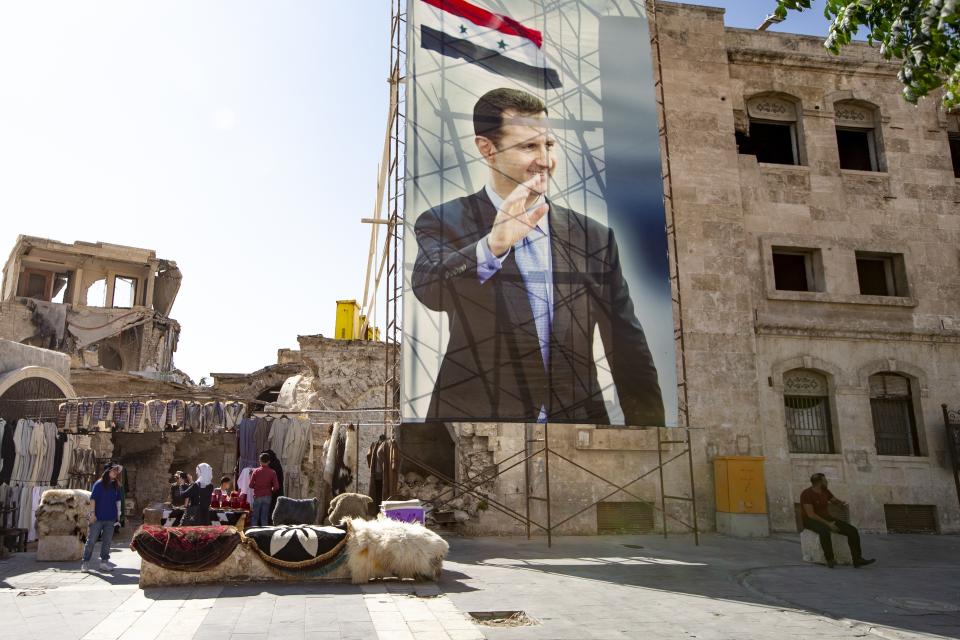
525 283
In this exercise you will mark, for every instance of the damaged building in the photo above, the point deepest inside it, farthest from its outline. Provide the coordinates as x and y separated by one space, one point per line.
105 305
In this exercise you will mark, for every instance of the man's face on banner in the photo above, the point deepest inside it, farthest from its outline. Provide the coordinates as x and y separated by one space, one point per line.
526 149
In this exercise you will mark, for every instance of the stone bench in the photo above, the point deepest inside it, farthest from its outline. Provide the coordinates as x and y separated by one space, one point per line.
813 552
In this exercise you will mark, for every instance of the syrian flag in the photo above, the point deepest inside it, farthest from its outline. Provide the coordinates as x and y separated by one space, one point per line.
498 43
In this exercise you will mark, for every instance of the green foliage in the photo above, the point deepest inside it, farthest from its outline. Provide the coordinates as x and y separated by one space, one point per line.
924 35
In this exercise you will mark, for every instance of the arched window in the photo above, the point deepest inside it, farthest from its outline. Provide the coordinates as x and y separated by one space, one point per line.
806 402
894 424
773 136
857 138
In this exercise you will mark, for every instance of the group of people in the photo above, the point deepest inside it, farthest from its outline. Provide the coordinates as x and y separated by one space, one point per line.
195 495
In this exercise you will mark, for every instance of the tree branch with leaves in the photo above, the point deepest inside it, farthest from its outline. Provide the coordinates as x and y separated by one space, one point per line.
923 35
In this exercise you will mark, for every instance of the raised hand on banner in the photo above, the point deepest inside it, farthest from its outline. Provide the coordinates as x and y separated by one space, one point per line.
514 221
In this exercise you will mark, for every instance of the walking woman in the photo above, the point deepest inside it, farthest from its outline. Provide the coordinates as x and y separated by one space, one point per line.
198 494
105 495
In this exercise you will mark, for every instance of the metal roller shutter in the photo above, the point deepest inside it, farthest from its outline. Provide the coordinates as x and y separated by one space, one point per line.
911 518
624 517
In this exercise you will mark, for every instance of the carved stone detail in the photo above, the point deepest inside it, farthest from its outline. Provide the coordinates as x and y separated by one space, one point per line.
772 108
804 383
853 115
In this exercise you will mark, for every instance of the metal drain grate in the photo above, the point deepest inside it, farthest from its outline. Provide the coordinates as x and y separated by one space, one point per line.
502 618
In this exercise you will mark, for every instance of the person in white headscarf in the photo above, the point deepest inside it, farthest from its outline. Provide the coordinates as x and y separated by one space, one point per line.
198 494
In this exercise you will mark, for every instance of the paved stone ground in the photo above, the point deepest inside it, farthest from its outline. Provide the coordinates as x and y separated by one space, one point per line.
609 587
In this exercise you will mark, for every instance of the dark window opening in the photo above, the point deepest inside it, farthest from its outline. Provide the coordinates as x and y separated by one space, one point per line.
894 423
955 153
857 149
881 275
793 270
771 142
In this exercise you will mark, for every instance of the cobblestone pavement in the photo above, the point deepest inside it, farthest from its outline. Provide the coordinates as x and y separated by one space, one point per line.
609 587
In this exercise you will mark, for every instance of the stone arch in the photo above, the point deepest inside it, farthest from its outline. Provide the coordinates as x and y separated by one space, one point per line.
49 385
10 378
893 365
836 377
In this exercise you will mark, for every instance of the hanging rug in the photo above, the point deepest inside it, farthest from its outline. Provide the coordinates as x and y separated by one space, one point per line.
296 546
185 548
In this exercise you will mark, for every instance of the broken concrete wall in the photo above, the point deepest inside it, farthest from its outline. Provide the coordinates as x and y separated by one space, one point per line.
46 303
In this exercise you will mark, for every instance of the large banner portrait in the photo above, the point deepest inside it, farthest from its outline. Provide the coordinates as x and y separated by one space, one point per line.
536 278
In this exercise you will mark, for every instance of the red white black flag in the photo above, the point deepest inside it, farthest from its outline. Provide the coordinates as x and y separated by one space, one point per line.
496 42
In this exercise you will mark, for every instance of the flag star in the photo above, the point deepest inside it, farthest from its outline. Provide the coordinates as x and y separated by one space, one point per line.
502 44
463 29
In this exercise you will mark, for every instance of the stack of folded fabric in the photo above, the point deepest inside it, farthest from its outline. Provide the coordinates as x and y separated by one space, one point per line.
403 510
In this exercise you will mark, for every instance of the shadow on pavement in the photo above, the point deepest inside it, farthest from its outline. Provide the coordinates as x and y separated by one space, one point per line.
914 586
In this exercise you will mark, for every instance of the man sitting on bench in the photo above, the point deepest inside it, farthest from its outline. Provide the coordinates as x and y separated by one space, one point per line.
815 501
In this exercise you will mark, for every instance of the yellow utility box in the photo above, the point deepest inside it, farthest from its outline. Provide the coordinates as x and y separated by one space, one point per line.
348 320
739 484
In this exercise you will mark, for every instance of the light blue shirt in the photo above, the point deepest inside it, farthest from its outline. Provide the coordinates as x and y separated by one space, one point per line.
535 264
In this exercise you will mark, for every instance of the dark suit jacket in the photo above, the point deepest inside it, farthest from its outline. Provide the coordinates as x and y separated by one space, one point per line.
493 368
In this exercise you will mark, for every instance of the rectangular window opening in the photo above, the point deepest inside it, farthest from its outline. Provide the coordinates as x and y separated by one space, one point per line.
857 149
124 292
955 153
770 142
796 269
881 274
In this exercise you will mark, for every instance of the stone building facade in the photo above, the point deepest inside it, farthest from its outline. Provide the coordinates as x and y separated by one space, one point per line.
817 219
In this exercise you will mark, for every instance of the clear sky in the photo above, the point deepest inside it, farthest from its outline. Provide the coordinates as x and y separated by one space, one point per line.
239 138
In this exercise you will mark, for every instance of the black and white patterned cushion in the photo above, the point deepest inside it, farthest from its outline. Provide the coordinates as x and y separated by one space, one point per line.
302 543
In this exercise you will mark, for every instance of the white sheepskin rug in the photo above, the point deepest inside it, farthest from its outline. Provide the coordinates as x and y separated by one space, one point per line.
63 512
388 548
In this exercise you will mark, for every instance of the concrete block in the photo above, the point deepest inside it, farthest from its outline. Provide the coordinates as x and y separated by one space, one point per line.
743 525
813 552
59 549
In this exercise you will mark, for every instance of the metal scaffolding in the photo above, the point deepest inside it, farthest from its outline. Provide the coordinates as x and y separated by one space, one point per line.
391 194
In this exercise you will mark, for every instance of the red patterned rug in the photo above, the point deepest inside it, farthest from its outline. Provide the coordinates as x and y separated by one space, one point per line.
185 548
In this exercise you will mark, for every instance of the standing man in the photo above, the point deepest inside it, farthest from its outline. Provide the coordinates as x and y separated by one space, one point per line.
815 501
525 284
263 482
105 496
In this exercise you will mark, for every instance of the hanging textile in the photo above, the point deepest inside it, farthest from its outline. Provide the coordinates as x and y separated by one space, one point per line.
138 416
67 417
120 415
193 416
84 414
156 415
289 437
261 436
213 416
247 447
8 452
176 412
233 413
376 456
100 414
